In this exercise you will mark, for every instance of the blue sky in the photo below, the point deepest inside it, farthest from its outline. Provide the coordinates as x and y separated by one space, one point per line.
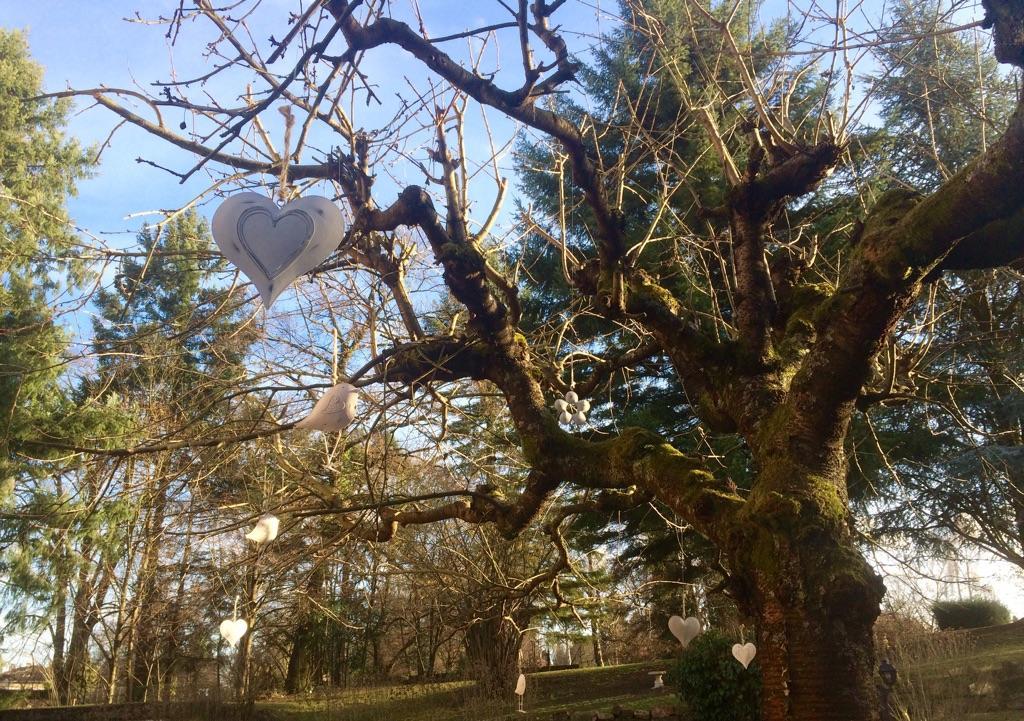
84 44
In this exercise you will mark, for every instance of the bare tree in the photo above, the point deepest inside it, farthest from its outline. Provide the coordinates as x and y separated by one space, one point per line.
780 361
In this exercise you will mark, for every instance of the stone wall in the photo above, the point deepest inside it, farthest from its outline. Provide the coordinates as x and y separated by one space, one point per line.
668 713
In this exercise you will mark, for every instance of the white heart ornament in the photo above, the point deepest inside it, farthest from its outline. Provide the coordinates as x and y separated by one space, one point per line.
335 409
273 246
744 653
232 630
521 685
266 529
685 630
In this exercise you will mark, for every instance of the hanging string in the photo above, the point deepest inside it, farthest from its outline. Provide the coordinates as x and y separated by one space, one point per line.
289 122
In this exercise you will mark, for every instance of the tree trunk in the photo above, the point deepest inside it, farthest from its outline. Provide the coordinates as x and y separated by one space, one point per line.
59 633
492 655
304 671
595 638
815 600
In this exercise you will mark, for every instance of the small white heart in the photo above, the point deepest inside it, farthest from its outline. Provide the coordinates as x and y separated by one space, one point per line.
744 653
571 397
560 405
335 409
274 246
266 529
564 417
579 418
691 629
232 630
685 630
584 406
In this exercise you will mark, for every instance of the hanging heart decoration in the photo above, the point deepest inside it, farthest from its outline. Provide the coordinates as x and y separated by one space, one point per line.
266 529
335 409
571 409
521 685
685 630
273 246
744 653
232 630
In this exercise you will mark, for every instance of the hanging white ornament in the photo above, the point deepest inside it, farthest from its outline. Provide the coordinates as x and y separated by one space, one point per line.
744 653
335 409
232 630
521 691
685 630
265 530
273 246
572 409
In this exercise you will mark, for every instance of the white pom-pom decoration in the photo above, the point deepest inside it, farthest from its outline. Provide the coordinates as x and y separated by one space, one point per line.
572 409
266 529
335 409
274 246
232 630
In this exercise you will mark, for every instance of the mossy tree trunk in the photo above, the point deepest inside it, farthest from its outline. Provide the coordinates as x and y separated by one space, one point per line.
814 600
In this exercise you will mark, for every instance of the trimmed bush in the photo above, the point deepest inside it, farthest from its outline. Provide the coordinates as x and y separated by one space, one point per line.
972 613
713 684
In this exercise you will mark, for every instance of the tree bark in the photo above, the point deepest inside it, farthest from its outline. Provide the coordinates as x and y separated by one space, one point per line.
813 596
492 655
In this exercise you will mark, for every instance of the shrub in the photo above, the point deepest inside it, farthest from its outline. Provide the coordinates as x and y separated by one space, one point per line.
713 684
972 613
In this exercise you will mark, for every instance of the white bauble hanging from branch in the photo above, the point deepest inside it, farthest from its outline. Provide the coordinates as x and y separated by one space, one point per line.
266 529
232 630
335 409
273 246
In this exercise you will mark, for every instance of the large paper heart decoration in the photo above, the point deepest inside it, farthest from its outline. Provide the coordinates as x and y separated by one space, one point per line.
265 530
521 685
274 246
232 630
335 409
744 653
685 630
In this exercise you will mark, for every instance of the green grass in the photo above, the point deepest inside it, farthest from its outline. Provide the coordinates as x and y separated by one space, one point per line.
574 690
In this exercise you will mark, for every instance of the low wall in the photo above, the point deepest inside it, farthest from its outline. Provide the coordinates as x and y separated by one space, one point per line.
668 713
135 712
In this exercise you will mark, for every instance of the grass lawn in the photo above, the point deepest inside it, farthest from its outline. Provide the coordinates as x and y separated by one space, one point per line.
576 690
941 675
